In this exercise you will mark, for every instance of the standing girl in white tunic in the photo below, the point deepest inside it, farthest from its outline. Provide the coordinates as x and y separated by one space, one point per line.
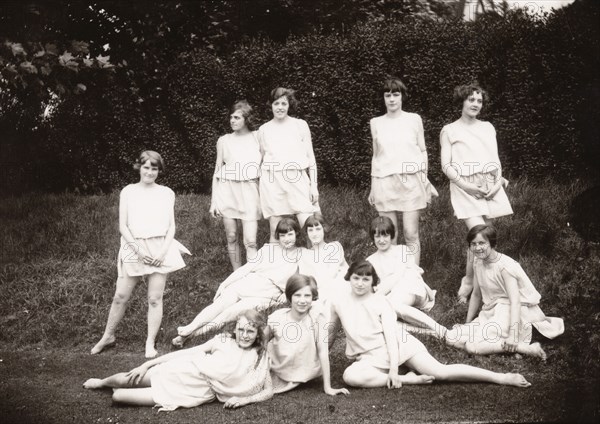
298 348
510 304
233 368
257 284
379 346
235 183
469 154
288 183
401 280
324 261
399 167
148 248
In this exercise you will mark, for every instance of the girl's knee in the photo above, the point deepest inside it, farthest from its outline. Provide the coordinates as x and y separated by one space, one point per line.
155 300
231 236
120 298
353 376
118 396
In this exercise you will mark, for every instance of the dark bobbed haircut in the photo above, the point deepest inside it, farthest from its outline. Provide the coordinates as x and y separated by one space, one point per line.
315 220
361 268
288 93
299 281
152 156
487 231
394 84
462 93
382 225
247 112
285 225
258 320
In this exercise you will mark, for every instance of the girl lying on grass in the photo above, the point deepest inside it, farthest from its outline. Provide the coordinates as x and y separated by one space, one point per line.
148 248
400 277
233 368
379 345
323 260
257 284
298 349
510 304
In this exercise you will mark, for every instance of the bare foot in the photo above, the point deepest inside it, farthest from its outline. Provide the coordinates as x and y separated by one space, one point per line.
516 380
412 378
178 342
185 331
93 383
151 352
536 350
103 344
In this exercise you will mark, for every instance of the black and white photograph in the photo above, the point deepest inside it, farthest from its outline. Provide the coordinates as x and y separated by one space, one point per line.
299 211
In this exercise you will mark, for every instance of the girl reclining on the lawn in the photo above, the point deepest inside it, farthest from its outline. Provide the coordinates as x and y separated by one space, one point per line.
234 368
257 284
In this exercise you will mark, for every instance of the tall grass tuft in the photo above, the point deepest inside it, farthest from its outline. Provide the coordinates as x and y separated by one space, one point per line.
58 266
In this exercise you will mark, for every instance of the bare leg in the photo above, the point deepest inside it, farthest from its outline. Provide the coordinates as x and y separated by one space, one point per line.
394 217
233 247
125 286
140 397
402 304
424 363
156 288
208 314
116 381
364 375
410 227
273 221
250 229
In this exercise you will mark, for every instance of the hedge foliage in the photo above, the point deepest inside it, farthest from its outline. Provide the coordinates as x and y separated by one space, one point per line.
541 74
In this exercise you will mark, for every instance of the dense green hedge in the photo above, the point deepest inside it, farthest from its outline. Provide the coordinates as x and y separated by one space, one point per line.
541 75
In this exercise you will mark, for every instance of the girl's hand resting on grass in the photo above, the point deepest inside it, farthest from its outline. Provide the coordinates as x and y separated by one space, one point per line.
332 392
393 381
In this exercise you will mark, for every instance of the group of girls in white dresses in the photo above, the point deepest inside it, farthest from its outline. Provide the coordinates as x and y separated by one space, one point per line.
272 173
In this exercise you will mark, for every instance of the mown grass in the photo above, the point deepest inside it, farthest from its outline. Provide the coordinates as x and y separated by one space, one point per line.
58 270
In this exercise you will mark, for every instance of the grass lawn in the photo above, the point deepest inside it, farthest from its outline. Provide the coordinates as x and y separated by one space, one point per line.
58 272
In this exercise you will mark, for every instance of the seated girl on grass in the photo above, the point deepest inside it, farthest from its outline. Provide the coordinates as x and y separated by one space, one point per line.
400 277
257 284
323 260
379 345
298 348
233 368
510 304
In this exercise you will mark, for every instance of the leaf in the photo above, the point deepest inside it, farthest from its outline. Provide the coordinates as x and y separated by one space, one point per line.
80 47
39 53
28 67
17 49
79 88
88 62
104 61
51 49
46 70
68 61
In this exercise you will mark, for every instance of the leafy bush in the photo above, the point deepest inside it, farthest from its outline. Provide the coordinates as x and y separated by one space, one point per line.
541 76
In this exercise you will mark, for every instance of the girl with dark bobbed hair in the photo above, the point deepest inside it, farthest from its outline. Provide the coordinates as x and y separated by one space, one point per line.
288 183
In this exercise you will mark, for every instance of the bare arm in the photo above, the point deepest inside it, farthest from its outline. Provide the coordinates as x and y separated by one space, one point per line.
265 393
475 301
168 237
421 144
323 352
375 153
213 211
388 321
312 162
511 340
